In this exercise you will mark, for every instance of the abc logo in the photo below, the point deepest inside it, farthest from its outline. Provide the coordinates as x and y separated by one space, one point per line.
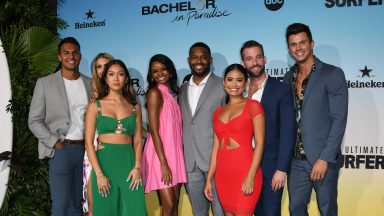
273 5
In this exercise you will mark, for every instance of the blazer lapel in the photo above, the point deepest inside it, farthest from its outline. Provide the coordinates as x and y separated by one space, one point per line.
185 98
87 86
312 80
206 91
61 91
267 90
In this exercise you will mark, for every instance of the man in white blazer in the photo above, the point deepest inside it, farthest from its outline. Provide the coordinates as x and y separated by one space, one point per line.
56 118
199 98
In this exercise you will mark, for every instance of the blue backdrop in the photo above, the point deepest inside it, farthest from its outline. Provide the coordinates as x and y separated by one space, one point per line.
347 33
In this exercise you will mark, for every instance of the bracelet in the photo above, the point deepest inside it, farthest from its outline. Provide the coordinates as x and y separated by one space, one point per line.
137 168
97 177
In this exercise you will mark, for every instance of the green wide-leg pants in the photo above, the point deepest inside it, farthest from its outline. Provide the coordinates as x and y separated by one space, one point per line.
116 161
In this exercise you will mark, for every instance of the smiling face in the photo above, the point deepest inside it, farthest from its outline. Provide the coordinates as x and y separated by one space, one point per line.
99 66
234 83
254 61
160 74
69 57
199 61
116 77
300 47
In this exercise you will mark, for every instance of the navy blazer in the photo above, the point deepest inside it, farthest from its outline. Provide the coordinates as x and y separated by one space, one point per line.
280 134
324 112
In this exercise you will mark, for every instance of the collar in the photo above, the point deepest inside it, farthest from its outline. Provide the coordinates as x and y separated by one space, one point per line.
262 86
203 82
315 61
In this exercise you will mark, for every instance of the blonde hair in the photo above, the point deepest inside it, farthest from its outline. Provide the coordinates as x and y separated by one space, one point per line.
95 76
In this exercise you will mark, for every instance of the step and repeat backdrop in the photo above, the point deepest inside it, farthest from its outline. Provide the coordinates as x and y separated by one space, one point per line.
347 33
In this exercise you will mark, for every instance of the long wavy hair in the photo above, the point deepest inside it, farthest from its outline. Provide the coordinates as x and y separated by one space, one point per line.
167 62
104 88
95 77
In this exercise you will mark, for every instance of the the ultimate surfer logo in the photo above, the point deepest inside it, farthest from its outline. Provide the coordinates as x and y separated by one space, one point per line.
90 21
363 157
277 72
187 10
277 69
352 3
365 73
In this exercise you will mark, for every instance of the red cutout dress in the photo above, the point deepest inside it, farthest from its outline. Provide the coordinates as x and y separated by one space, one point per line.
233 164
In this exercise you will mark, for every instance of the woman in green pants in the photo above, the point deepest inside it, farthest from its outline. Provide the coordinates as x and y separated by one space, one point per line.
116 175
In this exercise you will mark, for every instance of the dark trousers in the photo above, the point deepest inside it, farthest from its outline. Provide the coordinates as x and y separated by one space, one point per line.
269 203
300 188
66 180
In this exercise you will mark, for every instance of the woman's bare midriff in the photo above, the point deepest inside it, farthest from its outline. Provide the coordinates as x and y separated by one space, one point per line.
115 138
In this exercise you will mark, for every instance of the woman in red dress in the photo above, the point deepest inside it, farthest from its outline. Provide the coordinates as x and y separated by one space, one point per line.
234 163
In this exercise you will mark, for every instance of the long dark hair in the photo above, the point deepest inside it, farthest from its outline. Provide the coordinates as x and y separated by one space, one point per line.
167 62
235 67
104 88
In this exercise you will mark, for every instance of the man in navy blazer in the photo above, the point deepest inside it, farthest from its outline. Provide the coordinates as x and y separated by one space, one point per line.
321 104
276 99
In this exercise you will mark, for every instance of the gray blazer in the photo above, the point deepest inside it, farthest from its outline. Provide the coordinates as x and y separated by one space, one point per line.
197 129
324 112
49 117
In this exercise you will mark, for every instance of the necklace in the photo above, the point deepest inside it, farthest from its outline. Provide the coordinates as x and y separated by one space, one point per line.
119 127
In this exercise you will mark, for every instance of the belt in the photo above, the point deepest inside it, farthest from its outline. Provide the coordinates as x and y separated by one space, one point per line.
76 142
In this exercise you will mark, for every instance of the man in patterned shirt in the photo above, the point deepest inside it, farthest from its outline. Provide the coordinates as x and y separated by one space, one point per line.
321 101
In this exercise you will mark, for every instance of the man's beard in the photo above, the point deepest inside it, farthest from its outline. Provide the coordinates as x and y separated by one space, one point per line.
205 72
253 75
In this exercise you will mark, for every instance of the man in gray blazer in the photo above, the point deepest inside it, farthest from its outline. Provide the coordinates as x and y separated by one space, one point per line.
56 118
321 103
199 98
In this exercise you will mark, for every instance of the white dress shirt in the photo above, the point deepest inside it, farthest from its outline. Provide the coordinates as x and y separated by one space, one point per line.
194 92
259 93
257 96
